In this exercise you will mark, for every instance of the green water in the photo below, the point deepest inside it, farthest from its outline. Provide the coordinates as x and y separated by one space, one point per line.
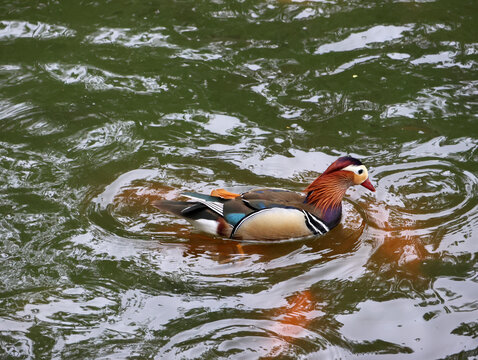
105 106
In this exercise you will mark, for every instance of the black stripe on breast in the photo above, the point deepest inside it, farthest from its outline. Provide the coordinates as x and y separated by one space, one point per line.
315 225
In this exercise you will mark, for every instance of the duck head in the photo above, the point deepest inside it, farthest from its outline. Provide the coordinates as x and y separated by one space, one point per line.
329 188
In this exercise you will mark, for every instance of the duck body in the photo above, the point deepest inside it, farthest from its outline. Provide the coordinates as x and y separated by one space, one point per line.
272 214
258 214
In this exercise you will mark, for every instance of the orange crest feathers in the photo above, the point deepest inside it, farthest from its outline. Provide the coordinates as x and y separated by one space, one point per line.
327 191
329 188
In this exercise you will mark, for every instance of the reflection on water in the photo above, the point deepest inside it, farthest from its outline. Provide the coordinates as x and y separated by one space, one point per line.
103 112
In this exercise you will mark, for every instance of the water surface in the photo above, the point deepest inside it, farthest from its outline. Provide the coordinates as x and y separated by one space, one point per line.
105 107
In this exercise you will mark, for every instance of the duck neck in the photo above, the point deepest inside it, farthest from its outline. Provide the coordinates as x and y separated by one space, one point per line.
326 194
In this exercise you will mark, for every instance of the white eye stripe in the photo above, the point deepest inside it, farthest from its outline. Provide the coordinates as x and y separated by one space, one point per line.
357 169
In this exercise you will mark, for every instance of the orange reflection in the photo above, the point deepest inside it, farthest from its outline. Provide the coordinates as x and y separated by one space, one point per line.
399 243
292 319
137 198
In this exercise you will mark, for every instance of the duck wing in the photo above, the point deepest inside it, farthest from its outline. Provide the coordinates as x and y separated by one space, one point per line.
236 209
276 195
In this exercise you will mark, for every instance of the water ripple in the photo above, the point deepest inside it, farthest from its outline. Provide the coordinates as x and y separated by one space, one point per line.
128 38
99 79
363 39
427 192
103 111
10 30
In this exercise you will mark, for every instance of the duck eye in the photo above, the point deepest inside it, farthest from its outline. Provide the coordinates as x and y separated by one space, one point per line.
360 172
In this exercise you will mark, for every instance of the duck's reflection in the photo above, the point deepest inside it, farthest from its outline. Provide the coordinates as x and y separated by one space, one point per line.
399 245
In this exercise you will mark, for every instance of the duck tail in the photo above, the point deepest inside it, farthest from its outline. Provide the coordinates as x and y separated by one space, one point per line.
204 216
174 207
187 209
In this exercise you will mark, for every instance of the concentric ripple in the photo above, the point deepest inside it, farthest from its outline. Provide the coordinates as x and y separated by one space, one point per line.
123 209
426 194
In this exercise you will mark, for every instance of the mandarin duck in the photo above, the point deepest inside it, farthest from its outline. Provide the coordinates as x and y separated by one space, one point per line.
273 214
